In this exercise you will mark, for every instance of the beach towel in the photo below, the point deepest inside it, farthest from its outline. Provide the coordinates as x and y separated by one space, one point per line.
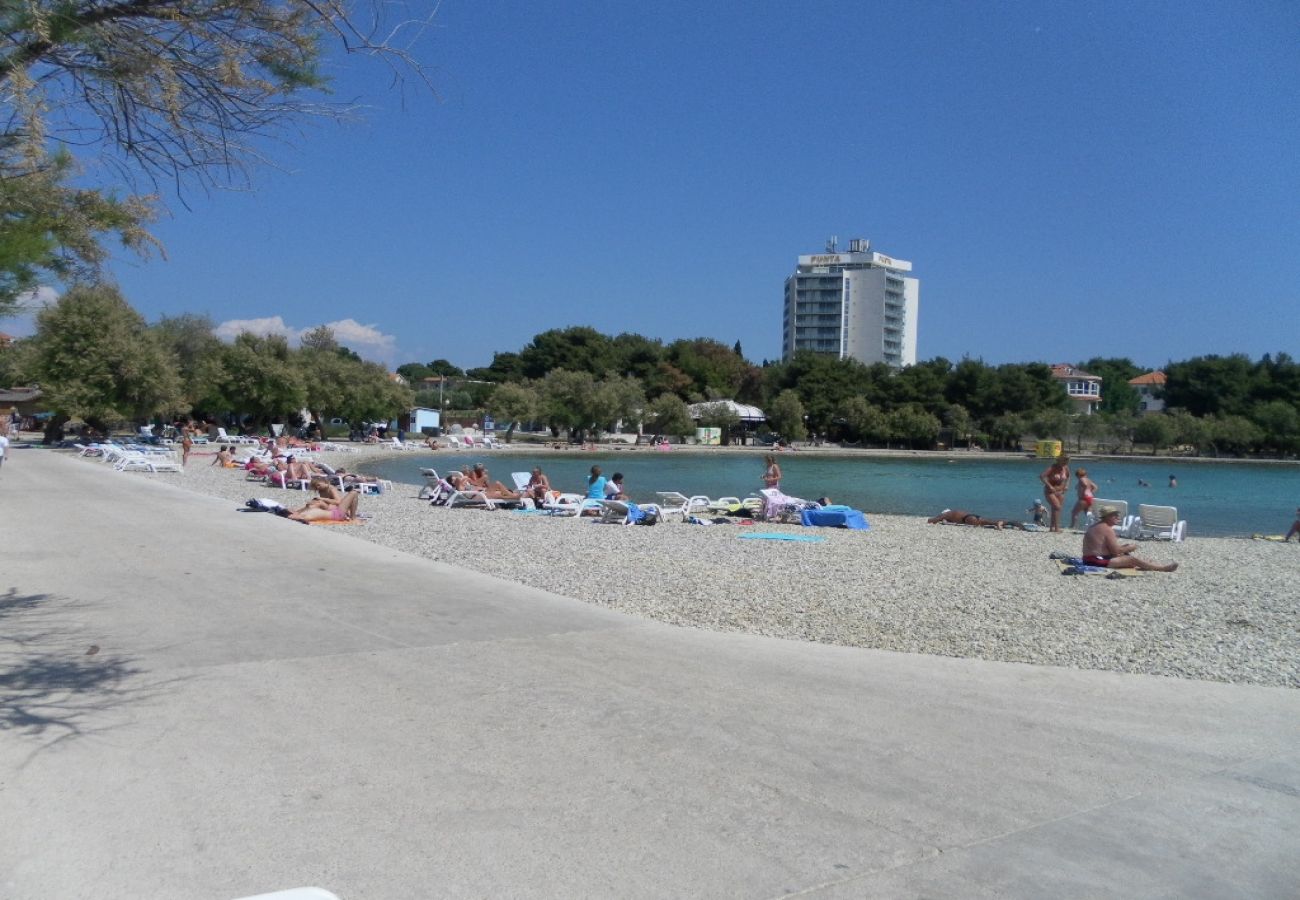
1280 538
780 536
336 522
835 517
1075 566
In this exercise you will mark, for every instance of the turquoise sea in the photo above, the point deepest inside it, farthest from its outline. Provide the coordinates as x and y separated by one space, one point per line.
1216 498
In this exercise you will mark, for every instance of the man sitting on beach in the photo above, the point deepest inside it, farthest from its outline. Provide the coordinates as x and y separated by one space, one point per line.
962 517
1102 548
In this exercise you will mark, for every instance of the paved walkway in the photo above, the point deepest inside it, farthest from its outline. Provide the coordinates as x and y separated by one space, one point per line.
272 705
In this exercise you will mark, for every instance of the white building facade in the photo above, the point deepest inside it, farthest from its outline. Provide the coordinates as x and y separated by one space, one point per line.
856 305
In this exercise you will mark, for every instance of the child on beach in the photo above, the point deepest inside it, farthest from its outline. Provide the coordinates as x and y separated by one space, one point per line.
1087 490
1039 512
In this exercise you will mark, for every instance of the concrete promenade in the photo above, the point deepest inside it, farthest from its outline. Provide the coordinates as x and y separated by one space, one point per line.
202 703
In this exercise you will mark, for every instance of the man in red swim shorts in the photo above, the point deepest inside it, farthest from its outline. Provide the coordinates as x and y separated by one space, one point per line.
1102 548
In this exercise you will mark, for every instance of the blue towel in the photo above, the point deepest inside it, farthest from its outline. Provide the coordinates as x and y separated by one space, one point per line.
780 536
835 517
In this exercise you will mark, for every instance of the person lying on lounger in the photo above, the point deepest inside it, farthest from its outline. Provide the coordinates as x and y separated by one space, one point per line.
962 517
494 490
320 509
1102 548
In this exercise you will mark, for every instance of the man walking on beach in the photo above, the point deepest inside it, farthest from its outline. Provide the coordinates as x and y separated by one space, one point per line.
1102 548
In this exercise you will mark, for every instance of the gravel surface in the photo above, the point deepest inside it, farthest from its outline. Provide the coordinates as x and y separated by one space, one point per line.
1228 614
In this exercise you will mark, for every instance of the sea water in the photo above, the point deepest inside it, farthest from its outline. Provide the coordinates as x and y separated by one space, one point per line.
1216 498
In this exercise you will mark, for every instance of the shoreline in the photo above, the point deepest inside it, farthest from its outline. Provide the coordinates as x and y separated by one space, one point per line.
1228 614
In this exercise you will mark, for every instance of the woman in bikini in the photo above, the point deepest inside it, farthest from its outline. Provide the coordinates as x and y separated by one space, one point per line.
1056 482
323 509
1087 489
772 474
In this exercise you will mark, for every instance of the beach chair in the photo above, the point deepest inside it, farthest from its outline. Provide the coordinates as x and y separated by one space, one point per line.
453 441
489 442
431 481
1159 523
521 480
1127 523
675 503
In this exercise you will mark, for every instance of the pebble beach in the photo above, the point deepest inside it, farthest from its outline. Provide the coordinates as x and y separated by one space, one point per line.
1230 613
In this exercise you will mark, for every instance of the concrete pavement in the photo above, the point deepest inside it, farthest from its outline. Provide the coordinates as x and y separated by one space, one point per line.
203 703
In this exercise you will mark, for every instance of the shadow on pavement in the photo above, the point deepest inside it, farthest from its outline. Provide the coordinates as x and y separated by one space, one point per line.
55 683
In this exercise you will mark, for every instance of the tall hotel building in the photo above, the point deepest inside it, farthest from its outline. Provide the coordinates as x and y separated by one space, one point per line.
856 305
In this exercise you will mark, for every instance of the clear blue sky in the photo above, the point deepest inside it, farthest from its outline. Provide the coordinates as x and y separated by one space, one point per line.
1069 180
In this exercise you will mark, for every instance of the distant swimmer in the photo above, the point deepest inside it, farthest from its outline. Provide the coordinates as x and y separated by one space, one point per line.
1173 482
1142 483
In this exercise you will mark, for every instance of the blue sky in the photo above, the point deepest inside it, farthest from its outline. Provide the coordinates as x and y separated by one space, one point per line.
1069 180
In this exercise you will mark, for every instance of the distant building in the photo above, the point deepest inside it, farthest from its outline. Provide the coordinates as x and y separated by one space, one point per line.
1151 391
6 339
856 305
1084 389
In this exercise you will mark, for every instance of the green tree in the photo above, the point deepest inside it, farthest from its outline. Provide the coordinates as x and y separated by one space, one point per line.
95 359
178 90
668 414
637 356
912 423
716 371
1116 392
514 403
1210 385
566 401
1279 423
616 399
785 415
261 378
504 367
957 420
52 232
446 368
1188 429
415 373
863 421
196 355
1154 429
576 349
1234 435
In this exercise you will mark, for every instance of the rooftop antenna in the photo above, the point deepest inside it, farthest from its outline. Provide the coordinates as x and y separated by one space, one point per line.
833 243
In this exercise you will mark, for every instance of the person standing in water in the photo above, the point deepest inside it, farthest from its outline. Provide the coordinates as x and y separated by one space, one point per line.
772 474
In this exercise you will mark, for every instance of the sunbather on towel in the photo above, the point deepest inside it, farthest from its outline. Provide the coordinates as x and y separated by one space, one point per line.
1102 548
320 509
962 517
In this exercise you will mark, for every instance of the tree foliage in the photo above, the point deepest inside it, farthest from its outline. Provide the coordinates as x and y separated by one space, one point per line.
96 360
163 91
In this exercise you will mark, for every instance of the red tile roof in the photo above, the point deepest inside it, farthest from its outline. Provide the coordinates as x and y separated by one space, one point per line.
1148 378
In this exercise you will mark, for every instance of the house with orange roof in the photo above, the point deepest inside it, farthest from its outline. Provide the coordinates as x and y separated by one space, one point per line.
1084 389
1151 391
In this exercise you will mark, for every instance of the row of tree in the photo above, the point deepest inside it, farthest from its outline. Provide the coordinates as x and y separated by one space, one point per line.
1226 404
96 360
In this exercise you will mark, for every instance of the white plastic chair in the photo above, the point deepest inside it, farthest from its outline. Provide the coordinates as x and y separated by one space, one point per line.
1160 523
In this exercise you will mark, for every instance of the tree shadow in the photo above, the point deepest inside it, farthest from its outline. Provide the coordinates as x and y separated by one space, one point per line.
56 684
